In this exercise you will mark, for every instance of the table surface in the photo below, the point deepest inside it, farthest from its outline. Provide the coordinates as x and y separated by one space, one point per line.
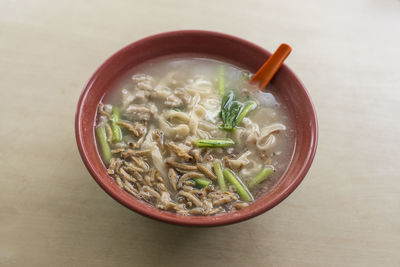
345 213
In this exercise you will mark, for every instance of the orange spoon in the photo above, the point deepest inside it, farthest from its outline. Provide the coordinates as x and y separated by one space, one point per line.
264 75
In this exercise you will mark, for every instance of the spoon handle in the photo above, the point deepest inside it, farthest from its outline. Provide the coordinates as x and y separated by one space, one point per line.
264 75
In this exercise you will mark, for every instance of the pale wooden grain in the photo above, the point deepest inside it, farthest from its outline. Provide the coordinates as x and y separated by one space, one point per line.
345 213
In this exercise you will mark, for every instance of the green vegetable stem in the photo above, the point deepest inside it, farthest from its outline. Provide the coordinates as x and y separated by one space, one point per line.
116 130
201 182
261 176
243 112
220 176
233 111
214 143
242 190
105 148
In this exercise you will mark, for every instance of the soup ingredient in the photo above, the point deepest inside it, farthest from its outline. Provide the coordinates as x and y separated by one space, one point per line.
183 192
243 192
202 182
220 175
214 143
233 111
102 139
246 108
165 146
202 168
116 130
261 176
230 108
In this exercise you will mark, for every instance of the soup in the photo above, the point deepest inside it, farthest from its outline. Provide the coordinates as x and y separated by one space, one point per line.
190 135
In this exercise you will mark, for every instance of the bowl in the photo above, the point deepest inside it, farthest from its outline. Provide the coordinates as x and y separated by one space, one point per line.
223 47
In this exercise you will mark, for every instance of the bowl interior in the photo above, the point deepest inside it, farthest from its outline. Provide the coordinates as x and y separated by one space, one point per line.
215 45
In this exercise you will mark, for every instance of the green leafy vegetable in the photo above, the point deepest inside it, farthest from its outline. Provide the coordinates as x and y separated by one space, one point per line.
214 143
105 148
220 176
233 111
243 112
116 130
229 110
261 176
201 182
242 190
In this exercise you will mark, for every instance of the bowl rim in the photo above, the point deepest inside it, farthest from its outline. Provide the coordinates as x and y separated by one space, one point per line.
190 220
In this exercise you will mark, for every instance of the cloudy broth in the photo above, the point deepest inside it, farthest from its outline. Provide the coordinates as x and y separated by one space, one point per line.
172 127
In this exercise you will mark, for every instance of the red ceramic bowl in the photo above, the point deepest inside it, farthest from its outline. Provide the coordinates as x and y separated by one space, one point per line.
215 45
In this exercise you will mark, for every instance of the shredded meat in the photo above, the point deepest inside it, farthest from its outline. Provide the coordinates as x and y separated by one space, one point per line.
151 191
138 153
192 198
221 198
188 176
126 176
132 168
161 187
140 163
153 175
130 189
141 128
196 155
130 186
119 181
179 151
118 150
129 127
147 180
103 112
181 166
187 188
240 205
139 177
112 165
166 203
139 186
158 136
140 142
158 177
172 178
108 133
206 171
196 211
118 165
189 183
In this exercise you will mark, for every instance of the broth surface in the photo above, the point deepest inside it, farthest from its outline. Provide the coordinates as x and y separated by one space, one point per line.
163 109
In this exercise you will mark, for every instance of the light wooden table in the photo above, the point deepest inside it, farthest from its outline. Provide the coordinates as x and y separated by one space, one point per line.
345 213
